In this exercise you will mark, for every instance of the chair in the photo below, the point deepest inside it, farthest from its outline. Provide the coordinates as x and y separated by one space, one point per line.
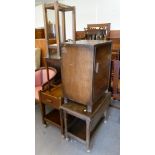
41 80
115 37
115 79
115 82
97 31
95 34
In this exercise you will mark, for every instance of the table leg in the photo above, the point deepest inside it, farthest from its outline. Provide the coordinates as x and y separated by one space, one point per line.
61 122
43 112
88 135
65 123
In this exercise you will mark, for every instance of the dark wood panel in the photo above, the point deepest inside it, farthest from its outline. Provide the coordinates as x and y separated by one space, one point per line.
115 34
39 33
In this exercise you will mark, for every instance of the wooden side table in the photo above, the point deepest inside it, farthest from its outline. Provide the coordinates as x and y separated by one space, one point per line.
83 127
53 98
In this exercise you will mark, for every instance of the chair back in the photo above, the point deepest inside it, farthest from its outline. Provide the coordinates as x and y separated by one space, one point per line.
102 30
41 75
95 34
116 79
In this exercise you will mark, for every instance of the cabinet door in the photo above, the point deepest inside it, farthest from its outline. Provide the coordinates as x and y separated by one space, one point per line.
77 73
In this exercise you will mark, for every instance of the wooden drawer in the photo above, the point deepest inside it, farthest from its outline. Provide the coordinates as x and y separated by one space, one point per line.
51 100
53 97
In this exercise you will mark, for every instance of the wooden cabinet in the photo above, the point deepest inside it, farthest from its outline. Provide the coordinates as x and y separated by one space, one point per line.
85 69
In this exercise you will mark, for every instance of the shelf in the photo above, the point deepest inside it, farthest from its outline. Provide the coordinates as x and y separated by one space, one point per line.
78 129
53 117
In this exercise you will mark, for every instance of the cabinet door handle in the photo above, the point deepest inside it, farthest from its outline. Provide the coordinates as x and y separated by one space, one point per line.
97 67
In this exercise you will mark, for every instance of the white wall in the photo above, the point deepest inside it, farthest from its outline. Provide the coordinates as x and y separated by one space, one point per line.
39 21
96 11
89 12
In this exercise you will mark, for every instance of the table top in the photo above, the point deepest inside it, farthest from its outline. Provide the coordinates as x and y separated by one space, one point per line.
87 43
79 109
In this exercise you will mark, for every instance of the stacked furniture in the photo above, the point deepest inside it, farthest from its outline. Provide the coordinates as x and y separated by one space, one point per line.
85 69
82 100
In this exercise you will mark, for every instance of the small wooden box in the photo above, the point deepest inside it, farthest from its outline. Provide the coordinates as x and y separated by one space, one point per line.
53 98
85 70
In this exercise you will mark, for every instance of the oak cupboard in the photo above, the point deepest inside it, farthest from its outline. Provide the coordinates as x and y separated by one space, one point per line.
85 70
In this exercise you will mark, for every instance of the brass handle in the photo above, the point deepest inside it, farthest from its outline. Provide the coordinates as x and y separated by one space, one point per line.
97 67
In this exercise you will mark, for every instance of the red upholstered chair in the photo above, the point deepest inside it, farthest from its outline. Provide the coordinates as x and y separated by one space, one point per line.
41 79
